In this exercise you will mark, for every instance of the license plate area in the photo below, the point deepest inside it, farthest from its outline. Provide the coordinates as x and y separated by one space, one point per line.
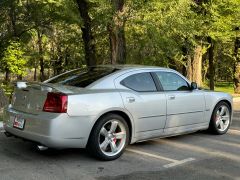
18 122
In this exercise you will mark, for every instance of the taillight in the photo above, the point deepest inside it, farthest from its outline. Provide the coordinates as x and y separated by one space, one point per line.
56 102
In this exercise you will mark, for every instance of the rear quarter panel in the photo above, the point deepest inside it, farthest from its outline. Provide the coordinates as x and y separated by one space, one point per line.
94 102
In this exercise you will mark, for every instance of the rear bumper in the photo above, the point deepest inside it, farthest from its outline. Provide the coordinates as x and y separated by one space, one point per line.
51 129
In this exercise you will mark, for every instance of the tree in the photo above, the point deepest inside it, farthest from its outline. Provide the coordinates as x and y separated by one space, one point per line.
13 60
117 33
194 37
87 35
236 68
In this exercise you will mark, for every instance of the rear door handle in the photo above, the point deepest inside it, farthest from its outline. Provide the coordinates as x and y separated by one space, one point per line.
171 97
130 99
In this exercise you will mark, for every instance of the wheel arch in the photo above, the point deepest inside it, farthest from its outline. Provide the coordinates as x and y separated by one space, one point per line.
226 101
127 117
212 126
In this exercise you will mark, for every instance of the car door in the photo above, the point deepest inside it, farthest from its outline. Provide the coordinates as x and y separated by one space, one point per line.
143 100
184 106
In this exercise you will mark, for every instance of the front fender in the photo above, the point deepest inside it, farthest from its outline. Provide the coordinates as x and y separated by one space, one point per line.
212 99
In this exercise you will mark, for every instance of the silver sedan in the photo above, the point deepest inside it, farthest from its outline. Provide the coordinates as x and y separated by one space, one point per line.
105 108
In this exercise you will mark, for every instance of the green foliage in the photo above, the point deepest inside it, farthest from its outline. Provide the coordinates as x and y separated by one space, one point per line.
158 32
13 59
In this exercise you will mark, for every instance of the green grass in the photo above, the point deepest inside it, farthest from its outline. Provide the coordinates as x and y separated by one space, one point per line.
226 87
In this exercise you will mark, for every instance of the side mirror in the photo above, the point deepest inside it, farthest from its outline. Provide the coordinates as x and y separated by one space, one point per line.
194 86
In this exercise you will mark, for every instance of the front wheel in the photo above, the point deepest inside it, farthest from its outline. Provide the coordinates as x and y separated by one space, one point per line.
109 137
221 119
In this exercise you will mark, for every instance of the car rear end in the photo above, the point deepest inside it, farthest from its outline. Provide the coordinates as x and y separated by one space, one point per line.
39 113
42 112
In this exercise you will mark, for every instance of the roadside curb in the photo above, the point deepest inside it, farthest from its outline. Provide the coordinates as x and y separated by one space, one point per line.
236 99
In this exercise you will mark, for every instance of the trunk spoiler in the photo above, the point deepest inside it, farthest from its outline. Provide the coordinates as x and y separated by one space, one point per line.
47 87
36 85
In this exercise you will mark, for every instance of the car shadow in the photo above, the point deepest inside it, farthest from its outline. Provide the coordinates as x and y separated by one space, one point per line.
80 154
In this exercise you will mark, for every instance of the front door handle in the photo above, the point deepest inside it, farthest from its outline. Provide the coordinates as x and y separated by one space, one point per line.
130 99
171 97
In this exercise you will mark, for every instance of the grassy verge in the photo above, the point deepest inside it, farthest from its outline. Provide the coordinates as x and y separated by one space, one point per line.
226 87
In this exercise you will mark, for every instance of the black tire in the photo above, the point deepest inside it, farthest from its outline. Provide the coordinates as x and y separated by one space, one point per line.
213 128
94 139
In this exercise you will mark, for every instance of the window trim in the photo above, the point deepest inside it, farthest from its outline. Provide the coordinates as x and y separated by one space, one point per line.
158 80
150 73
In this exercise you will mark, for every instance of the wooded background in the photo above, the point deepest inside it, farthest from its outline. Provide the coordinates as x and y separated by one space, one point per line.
199 38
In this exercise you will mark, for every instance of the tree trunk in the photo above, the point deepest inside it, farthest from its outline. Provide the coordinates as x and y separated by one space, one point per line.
35 73
237 79
197 65
41 60
204 68
12 15
211 63
19 77
7 75
189 68
66 58
87 35
3 99
59 61
117 33
236 68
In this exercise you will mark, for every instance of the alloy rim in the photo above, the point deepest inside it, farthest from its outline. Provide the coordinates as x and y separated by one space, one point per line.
222 118
112 137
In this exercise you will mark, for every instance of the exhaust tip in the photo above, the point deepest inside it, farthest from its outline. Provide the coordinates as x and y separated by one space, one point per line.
42 148
8 134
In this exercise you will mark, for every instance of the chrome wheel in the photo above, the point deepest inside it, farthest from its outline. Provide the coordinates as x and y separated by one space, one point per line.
222 118
112 137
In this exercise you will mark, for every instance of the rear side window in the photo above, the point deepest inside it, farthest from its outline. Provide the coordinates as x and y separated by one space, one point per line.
83 77
141 82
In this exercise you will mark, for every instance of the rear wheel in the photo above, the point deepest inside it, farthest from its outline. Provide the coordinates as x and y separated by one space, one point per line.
221 119
109 137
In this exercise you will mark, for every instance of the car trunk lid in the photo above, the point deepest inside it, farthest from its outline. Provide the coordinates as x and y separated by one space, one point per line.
30 97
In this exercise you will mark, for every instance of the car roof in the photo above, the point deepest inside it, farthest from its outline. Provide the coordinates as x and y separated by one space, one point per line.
130 67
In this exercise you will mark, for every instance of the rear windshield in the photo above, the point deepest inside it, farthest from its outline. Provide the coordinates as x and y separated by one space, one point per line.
83 77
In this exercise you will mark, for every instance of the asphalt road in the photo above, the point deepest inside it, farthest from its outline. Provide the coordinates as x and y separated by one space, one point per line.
195 156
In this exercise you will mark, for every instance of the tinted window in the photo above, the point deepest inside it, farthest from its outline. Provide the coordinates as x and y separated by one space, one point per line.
141 82
172 82
83 77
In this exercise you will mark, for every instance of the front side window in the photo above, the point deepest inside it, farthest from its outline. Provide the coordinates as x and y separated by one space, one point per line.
141 82
172 82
